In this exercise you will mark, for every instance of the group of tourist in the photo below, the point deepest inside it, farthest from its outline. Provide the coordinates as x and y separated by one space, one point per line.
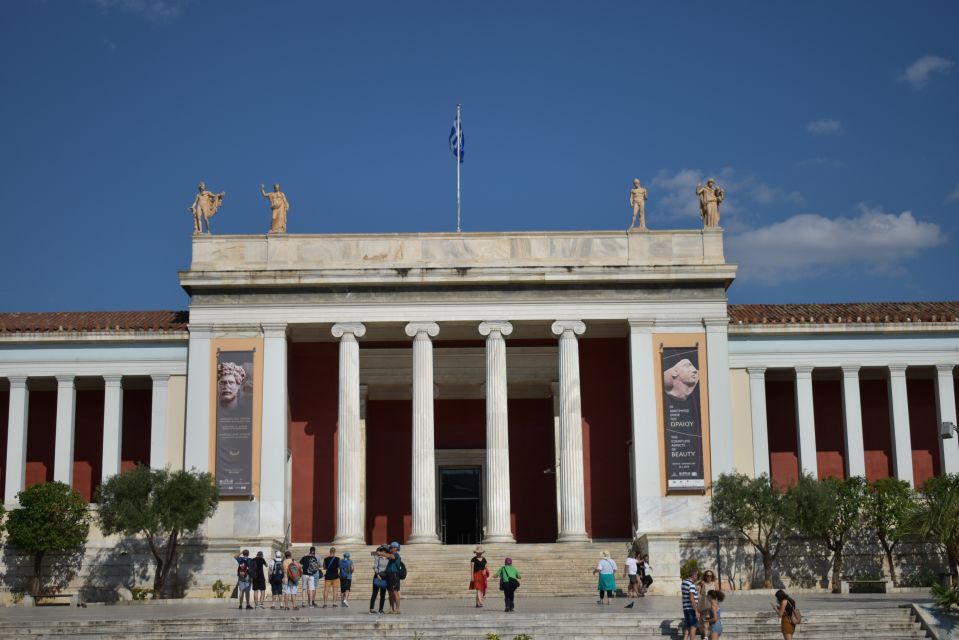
507 575
288 578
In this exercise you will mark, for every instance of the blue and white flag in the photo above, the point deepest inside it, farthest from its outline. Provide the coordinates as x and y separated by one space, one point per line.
457 140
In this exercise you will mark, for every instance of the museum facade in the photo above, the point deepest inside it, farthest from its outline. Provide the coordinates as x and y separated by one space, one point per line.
457 388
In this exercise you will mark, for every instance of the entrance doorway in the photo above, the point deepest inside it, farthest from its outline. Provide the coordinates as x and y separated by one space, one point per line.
461 507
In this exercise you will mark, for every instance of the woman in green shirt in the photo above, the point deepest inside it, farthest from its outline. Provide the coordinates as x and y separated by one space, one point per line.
508 582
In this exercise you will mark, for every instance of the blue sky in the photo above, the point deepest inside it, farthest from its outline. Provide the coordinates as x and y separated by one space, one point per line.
832 125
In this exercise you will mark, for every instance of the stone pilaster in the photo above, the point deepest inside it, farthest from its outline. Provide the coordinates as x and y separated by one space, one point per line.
112 425
806 422
16 467
647 468
65 430
424 460
901 438
571 488
196 443
274 517
852 419
757 407
158 422
946 405
720 410
350 513
498 524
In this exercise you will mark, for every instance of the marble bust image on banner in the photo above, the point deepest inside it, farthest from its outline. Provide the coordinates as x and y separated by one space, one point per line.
233 386
680 380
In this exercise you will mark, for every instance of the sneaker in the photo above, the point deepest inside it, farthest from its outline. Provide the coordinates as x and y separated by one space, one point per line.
345 603
372 612
380 612
248 607
324 605
240 607
334 606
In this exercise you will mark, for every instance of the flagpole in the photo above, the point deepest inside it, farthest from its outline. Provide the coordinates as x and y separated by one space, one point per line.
459 159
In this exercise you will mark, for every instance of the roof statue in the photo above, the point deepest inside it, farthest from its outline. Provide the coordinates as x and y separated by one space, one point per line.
204 207
710 197
279 205
637 199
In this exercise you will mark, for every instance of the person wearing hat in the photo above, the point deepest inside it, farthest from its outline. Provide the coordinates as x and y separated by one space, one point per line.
258 572
276 579
508 583
346 579
478 575
393 576
607 577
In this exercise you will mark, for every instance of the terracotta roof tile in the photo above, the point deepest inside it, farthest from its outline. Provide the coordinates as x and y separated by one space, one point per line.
83 321
845 313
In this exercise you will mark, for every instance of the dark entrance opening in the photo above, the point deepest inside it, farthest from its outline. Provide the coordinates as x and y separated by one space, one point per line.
461 510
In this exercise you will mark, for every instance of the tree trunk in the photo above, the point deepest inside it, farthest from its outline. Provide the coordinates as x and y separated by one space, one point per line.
837 571
159 578
767 570
892 568
37 568
952 550
163 566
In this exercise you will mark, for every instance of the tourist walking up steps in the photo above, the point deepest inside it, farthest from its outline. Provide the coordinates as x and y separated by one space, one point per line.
331 581
714 615
690 605
788 614
244 583
607 577
311 575
704 606
346 579
478 575
379 576
258 573
276 579
508 583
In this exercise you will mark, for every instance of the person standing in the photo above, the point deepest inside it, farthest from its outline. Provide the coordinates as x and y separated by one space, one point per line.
645 574
331 579
478 575
244 583
346 579
631 573
258 575
291 575
704 606
690 605
311 574
393 576
276 579
379 577
715 615
508 583
786 609
606 569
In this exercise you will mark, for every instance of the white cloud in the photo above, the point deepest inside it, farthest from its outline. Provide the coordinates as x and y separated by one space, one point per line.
810 245
954 195
154 10
674 194
824 127
918 73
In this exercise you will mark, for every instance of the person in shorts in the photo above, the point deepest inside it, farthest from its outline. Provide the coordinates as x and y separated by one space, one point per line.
393 577
346 579
690 606
258 572
631 572
244 582
311 574
331 579
289 584
276 579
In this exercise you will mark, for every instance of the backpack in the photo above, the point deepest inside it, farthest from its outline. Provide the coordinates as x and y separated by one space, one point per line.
796 617
294 572
243 571
401 570
276 573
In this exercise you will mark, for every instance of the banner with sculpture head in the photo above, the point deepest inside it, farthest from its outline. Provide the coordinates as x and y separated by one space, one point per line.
234 423
683 419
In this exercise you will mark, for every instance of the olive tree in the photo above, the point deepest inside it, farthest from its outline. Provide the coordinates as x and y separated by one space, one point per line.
161 506
51 517
888 503
752 507
935 515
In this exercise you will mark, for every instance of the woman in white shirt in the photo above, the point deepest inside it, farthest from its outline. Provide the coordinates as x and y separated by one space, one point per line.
607 578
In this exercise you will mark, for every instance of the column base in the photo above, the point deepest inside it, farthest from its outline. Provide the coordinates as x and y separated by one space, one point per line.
347 540
573 537
423 538
499 537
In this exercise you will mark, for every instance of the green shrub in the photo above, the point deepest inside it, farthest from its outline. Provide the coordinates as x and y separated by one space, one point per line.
688 567
945 597
220 589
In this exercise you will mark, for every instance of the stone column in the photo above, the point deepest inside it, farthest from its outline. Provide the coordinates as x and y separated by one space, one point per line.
364 397
66 423
806 422
901 438
498 521
112 425
757 406
720 410
946 405
647 489
852 414
274 429
196 443
572 500
158 427
16 467
350 513
424 459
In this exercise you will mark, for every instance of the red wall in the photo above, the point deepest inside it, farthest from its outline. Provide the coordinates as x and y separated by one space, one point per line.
830 429
459 424
876 430
41 434
313 381
782 431
88 442
389 469
4 417
135 440
532 492
604 384
923 429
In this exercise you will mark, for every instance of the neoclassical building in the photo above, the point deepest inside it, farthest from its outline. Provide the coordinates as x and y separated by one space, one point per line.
457 388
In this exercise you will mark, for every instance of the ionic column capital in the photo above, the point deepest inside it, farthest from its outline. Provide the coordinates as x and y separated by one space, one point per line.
355 329
898 370
576 327
493 327
426 329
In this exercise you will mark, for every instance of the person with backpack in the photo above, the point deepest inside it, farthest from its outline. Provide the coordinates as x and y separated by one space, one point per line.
789 615
258 573
379 576
331 581
311 575
292 572
395 572
346 579
508 583
244 582
276 579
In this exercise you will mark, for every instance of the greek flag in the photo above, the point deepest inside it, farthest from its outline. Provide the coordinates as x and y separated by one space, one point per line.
457 140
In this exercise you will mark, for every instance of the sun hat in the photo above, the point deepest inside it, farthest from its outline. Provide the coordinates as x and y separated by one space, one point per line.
479 550
395 544
277 556
604 555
